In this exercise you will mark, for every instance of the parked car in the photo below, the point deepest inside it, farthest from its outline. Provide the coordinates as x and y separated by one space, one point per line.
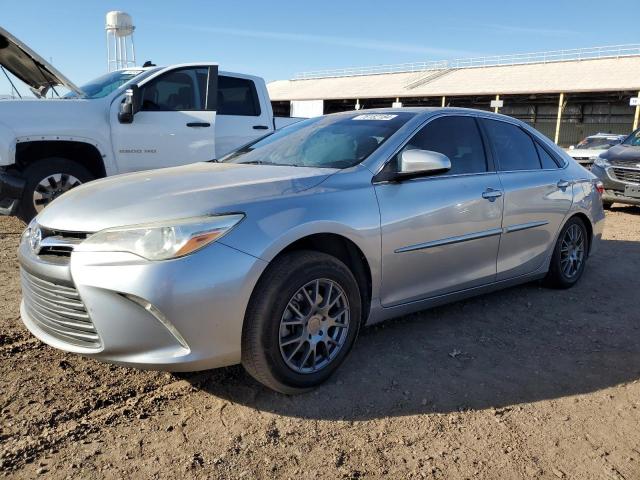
586 152
276 255
619 170
174 115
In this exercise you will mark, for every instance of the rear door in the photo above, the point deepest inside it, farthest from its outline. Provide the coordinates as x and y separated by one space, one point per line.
538 195
241 116
441 233
176 123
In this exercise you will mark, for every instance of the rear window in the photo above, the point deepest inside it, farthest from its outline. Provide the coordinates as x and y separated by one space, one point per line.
513 147
545 158
237 96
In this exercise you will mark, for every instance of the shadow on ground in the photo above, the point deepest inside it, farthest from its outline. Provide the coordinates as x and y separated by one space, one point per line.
524 344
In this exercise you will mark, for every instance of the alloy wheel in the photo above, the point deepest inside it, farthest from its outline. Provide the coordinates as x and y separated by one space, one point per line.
52 187
572 250
314 326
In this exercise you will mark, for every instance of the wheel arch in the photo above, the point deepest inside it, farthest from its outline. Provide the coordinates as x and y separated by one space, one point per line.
587 224
84 153
345 250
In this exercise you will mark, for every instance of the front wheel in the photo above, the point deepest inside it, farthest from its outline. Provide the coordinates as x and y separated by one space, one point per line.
46 180
301 322
569 255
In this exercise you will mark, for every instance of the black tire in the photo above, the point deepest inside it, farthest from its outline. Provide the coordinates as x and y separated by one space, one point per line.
39 171
607 205
556 277
261 350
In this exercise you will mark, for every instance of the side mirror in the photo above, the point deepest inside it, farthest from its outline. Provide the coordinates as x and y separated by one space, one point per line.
413 163
130 105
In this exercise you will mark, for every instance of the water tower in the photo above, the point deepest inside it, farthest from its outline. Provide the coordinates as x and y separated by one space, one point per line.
120 50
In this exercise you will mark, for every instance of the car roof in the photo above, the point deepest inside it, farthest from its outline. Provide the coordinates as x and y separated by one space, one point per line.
432 110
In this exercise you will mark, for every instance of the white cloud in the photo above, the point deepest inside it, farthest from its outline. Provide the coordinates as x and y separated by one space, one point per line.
338 41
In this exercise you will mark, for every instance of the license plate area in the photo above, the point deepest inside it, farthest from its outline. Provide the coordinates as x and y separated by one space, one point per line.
632 191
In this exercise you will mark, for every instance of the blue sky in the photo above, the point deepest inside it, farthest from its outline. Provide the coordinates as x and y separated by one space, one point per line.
279 38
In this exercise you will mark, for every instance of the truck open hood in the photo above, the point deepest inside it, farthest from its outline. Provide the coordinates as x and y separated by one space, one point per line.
30 67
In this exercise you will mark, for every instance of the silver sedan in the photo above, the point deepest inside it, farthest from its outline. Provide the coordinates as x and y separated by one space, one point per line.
279 253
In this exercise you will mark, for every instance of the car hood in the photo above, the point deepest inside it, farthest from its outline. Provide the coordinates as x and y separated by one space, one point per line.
30 67
174 193
623 153
584 153
32 117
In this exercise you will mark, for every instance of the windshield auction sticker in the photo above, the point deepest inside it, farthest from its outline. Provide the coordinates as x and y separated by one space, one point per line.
375 116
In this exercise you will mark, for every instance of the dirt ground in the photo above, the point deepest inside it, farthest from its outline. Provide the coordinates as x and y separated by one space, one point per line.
523 383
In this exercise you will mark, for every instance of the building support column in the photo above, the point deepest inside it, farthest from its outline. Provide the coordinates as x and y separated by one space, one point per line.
444 101
496 108
636 117
560 108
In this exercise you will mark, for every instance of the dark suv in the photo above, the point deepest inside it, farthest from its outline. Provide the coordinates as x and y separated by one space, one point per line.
619 170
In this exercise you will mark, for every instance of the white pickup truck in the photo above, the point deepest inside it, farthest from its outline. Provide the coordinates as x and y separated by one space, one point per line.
128 120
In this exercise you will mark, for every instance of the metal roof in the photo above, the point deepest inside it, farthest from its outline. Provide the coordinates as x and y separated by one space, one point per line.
593 75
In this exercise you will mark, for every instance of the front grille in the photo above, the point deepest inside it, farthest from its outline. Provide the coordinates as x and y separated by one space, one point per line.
59 311
626 175
58 243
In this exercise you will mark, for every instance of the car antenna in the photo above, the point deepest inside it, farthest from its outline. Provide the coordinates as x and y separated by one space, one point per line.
149 63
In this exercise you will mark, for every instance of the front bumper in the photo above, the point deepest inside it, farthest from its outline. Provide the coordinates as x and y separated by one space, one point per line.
11 187
613 188
178 315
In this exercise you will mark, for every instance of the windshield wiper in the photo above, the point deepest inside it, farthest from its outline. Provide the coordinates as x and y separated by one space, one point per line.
256 162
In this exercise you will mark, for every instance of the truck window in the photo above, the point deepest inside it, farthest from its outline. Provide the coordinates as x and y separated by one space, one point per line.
237 96
178 90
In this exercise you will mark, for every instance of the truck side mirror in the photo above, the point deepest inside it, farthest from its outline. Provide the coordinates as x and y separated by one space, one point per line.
130 105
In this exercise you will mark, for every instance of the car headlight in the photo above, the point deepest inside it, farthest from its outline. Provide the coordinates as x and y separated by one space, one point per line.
162 240
601 162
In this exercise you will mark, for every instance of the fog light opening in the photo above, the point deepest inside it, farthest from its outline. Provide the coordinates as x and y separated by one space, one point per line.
158 315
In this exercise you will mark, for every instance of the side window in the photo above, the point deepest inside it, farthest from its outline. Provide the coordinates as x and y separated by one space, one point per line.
178 90
513 147
545 158
456 137
237 96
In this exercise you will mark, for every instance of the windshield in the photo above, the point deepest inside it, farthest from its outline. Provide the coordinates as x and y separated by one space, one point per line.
633 139
334 141
598 143
104 85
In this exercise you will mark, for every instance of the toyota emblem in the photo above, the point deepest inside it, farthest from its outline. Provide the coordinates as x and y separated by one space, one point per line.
35 239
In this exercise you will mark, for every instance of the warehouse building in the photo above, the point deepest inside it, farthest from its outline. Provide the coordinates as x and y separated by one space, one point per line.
566 95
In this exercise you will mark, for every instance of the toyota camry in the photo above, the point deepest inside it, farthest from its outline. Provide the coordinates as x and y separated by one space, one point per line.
277 254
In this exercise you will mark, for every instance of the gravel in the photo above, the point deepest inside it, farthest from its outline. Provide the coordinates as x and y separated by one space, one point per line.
523 383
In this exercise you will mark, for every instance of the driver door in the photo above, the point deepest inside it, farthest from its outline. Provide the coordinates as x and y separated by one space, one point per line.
441 233
175 125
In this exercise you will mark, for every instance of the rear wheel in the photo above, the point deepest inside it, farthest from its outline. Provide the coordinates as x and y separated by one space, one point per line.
301 322
569 255
46 180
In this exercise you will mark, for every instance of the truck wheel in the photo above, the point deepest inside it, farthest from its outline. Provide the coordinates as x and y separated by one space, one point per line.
46 180
301 322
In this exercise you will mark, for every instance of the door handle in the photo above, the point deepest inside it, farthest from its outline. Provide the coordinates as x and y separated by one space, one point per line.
563 184
260 127
491 194
198 124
